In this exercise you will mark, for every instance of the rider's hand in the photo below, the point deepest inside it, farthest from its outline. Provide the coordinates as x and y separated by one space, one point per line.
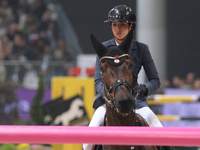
141 89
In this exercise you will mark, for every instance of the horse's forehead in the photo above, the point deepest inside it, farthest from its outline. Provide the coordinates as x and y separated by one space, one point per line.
110 66
115 71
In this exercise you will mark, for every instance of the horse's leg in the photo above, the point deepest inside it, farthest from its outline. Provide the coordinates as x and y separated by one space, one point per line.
98 147
149 116
165 148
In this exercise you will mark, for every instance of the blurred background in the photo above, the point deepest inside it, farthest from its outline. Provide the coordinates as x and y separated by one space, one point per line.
43 39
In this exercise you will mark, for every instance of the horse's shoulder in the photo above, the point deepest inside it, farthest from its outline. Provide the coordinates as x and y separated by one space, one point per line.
141 121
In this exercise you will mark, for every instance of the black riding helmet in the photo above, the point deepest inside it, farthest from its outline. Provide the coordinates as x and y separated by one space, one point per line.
121 13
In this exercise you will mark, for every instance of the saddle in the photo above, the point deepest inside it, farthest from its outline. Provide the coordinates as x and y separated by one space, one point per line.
141 121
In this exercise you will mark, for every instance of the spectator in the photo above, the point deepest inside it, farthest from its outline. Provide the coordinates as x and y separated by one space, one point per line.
196 84
189 81
52 32
48 16
19 48
5 48
166 83
22 10
41 43
30 28
3 29
175 82
6 13
12 30
61 53
27 27
178 82
38 8
46 58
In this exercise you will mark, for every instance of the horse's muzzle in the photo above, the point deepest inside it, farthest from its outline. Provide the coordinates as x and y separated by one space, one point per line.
124 100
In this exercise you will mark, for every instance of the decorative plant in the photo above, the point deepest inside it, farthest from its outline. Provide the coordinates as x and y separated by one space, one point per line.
36 112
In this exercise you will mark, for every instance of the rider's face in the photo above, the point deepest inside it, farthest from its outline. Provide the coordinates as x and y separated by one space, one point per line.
120 30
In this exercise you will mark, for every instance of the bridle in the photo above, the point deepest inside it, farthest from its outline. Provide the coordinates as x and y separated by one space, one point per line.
115 85
111 102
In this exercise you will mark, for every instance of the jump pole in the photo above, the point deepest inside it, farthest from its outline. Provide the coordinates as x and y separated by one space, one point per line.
162 98
174 136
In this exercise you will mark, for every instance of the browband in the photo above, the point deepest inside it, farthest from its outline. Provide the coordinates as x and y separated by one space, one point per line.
109 57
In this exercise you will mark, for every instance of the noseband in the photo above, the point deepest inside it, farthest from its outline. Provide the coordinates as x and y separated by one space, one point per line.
111 103
115 85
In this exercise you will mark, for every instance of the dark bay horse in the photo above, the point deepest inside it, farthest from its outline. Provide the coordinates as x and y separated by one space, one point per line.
117 74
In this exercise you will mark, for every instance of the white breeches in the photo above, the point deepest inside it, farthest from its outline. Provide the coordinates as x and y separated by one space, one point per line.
99 114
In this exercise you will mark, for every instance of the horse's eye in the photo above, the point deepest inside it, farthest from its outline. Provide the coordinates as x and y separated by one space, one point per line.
103 61
102 70
130 65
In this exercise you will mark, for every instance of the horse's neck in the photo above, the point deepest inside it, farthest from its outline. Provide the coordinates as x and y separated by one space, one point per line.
115 119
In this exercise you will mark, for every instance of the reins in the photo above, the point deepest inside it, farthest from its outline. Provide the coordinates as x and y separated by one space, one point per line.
111 103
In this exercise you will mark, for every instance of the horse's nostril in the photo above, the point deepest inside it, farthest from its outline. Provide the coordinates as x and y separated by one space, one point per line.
125 105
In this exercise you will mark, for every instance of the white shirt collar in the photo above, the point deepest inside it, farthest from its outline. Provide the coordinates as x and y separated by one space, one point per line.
116 43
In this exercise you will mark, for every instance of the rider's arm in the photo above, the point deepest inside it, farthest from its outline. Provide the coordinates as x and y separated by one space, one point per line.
151 72
99 86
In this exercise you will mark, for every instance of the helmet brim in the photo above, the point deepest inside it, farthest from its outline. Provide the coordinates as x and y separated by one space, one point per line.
119 20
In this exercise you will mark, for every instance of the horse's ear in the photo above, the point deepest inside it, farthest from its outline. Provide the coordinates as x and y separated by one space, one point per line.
99 48
127 42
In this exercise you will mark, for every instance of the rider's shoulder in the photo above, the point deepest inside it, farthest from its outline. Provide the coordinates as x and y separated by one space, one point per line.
134 45
138 45
109 42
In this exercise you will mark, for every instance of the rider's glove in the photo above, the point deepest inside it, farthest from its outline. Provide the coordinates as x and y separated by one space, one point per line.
141 89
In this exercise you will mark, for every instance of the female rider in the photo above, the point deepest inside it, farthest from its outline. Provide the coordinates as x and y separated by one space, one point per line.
121 19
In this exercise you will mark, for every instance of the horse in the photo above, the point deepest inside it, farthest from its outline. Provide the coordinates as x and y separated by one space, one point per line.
117 74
